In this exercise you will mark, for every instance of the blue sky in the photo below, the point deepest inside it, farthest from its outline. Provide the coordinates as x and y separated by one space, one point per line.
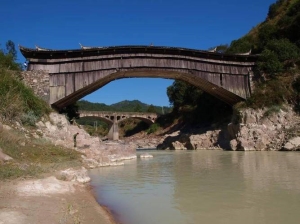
63 24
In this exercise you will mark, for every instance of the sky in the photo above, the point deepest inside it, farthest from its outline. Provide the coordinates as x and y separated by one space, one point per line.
63 24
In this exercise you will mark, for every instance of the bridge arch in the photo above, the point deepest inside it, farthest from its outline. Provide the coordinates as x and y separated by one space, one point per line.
74 74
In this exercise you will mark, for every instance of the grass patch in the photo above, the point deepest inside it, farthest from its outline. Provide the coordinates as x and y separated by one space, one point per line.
16 99
272 92
14 170
272 110
33 157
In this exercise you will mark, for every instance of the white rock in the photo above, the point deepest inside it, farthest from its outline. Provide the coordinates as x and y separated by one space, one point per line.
145 156
80 176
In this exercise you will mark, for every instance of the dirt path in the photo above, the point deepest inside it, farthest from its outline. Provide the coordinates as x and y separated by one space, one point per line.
49 201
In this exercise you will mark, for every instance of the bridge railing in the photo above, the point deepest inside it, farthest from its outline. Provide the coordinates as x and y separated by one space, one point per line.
117 112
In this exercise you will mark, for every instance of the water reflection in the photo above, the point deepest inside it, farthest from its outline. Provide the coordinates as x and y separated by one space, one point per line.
203 187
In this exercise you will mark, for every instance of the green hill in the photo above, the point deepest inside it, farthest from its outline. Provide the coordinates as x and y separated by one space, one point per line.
123 106
277 41
282 22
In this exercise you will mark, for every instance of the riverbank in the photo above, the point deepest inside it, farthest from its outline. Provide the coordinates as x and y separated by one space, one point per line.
30 201
49 201
42 176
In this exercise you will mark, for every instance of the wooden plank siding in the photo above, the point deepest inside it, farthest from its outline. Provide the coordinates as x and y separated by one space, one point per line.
71 78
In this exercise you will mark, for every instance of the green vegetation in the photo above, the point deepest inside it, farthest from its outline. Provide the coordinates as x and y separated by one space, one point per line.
277 41
8 58
94 126
71 112
123 106
153 128
17 102
194 106
132 126
128 127
31 157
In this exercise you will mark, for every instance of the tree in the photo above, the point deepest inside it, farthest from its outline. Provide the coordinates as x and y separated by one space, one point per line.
273 9
241 45
8 57
151 109
269 63
10 47
137 108
266 33
275 55
284 49
181 93
71 112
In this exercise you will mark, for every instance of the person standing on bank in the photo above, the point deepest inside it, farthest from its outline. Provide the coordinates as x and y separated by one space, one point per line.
75 136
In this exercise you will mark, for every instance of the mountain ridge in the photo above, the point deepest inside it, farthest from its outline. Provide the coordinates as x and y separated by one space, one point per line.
123 106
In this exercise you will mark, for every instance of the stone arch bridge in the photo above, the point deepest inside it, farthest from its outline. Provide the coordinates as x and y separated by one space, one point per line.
113 119
69 75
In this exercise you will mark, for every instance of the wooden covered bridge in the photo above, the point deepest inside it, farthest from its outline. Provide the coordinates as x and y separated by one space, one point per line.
74 74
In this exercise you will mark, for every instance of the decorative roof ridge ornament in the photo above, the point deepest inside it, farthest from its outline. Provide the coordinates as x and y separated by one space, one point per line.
213 50
41 49
84 47
247 53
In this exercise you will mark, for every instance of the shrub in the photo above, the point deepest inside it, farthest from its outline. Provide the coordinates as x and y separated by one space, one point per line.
29 118
284 49
274 9
271 110
266 33
273 92
241 45
269 63
153 128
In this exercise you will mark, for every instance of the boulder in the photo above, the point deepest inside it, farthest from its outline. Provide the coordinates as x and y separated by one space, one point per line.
177 145
234 145
293 144
4 157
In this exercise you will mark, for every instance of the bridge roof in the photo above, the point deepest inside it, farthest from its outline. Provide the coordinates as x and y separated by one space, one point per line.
30 53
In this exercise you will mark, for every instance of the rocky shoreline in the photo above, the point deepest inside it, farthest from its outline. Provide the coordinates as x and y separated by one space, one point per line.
250 130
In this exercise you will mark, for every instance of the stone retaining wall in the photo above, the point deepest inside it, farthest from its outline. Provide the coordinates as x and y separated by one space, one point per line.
39 82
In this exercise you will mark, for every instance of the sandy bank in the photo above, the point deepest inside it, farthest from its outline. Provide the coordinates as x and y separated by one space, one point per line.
49 201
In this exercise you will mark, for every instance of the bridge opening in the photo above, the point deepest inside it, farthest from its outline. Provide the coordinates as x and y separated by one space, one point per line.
131 95
150 91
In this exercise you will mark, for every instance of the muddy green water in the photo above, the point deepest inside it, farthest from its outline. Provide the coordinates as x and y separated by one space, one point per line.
189 187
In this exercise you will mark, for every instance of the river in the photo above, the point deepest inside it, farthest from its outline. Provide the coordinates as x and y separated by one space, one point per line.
187 187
